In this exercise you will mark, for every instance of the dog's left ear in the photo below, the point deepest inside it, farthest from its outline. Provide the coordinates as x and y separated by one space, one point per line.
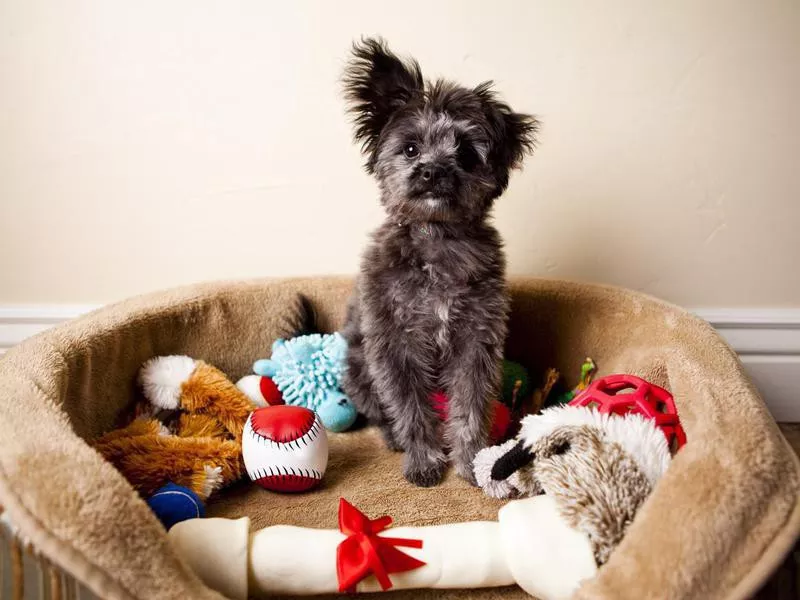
513 134
376 84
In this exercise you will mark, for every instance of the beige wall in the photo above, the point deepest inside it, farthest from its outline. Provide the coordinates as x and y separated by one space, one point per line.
148 144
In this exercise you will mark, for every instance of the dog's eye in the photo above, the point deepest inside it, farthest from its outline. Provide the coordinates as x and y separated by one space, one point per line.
467 156
411 150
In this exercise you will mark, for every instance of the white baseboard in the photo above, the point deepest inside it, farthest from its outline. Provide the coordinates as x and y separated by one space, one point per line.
767 340
768 343
20 322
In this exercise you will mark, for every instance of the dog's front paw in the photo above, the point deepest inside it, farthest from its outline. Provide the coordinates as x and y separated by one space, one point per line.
425 476
424 472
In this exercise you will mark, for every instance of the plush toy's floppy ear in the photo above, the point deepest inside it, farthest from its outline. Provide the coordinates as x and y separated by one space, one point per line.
557 442
376 84
513 134
519 456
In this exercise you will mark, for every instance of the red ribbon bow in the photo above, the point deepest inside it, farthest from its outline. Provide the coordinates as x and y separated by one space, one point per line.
364 552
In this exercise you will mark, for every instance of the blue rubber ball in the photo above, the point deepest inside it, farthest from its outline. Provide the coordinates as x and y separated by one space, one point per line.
175 503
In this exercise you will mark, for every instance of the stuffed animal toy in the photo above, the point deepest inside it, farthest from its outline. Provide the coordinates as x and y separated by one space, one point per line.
308 372
515 383
598 467
197 444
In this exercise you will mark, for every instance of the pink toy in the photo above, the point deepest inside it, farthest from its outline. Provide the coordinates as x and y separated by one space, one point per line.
501 416
622 394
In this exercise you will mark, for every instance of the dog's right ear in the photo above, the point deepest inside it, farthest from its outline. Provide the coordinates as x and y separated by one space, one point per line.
377 83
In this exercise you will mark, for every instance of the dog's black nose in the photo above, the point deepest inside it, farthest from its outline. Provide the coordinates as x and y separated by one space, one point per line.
432 172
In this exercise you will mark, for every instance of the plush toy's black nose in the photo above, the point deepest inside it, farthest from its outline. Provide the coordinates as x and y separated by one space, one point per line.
513 460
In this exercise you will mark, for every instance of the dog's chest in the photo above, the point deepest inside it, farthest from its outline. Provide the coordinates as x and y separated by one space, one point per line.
429 302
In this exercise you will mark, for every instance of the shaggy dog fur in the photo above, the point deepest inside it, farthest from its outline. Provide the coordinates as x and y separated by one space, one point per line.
431 307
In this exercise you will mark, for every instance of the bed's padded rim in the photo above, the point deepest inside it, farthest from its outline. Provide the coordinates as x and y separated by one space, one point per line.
71 383
736 482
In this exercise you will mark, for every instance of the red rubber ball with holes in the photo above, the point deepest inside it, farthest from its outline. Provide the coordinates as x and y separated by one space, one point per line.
624 394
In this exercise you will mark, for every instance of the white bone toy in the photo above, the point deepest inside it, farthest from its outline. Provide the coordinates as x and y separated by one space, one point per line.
530 545
535 543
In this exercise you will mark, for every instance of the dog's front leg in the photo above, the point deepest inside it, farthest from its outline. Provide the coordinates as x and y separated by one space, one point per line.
404 382
472 379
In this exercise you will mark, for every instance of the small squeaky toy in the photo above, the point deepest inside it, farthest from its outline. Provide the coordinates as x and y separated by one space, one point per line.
262 391
285 448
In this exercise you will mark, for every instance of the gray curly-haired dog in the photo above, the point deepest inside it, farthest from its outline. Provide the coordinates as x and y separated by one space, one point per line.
431 305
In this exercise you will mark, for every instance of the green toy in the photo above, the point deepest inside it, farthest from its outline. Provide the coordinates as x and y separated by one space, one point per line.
588 369
516 383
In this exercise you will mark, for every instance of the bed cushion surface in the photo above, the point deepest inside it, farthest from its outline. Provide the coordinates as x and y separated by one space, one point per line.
716 526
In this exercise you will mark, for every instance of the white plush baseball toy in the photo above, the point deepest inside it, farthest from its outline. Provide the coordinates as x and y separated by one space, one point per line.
285 448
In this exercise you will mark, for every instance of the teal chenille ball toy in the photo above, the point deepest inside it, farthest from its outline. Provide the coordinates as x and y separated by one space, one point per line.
308 371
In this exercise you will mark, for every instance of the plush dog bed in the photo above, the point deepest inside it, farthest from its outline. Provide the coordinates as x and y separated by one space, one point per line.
716 526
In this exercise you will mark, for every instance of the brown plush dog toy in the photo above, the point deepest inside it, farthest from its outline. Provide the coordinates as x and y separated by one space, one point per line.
198 445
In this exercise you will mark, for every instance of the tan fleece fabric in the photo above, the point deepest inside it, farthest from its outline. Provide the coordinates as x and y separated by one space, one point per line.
716 526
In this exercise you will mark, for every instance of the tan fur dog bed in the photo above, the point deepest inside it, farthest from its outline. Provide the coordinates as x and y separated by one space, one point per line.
716 526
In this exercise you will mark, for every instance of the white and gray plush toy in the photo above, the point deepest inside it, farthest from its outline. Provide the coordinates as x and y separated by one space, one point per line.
599 468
